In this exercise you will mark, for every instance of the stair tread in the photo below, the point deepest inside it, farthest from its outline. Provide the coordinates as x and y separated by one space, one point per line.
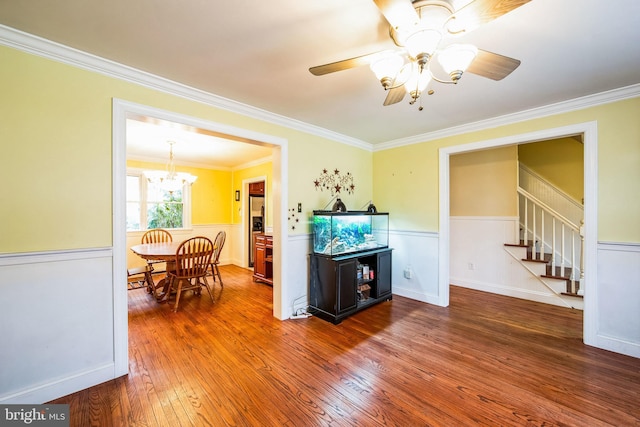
570 294
552 276
541 261
517 245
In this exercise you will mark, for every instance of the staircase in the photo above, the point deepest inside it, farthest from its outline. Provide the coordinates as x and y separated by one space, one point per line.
561 282
551 242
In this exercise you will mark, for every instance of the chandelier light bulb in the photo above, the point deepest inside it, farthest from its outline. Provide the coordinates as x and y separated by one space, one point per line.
170 180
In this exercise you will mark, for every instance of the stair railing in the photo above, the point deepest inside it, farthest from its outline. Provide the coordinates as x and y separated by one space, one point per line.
535 216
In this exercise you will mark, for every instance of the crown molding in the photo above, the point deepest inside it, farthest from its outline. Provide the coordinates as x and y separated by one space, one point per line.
51 50
576 104
39 46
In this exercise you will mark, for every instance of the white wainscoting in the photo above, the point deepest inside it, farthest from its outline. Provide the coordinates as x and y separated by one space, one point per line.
56 323
478 260
618 298
417 253
299 247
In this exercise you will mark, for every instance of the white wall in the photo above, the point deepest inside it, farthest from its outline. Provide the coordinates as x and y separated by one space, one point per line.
416 252
618 298
56 324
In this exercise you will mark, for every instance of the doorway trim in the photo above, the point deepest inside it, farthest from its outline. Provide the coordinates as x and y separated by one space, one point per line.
589 130
121 109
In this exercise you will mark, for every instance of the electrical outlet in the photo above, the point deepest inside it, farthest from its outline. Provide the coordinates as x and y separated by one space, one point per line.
407 273
472 266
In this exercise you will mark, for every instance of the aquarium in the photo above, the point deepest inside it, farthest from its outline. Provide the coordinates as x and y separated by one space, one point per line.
340 233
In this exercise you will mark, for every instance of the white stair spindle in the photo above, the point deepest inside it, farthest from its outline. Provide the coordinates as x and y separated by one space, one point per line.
573 262
553 244
533 233
526 221
562 252
542 234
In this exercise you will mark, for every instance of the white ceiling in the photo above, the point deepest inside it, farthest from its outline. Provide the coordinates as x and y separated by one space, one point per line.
148 140
259 52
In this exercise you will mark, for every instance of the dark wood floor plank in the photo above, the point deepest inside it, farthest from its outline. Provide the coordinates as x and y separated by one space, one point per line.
484 360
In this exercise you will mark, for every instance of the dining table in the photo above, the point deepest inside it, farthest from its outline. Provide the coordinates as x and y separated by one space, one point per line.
161 251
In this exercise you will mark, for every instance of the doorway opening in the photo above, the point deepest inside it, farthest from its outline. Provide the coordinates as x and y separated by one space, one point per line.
123 110
589 132
255 217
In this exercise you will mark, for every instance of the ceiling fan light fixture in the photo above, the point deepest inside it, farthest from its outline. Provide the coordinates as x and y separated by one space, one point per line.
433 14
423 41
386 67
456 58
417 81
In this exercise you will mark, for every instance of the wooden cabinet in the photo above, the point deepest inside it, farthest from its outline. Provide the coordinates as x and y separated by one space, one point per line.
256 188
263 258
338 289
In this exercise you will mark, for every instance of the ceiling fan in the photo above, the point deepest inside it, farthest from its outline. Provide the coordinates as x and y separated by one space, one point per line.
424 30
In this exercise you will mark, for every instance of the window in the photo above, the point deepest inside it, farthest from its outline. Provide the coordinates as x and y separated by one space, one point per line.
149 206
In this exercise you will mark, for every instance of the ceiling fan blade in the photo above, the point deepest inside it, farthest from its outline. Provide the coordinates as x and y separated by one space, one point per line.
480 12
492 65
399 13
345 64
395 95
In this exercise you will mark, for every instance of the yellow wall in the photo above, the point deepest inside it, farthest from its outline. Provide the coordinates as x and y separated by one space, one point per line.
211 195
316 155
56 136
483 183
559 161
407 177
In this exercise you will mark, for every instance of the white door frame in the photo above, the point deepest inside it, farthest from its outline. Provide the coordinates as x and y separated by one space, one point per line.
589 130
121 110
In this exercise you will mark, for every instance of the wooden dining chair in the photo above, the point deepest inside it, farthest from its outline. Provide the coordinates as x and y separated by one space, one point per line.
193 258
140 277
156 235
218 244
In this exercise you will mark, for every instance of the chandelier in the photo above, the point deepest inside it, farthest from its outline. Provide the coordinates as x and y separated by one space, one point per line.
170 180
410 69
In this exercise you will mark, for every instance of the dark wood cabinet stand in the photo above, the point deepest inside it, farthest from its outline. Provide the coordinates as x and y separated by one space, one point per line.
263 258
336 289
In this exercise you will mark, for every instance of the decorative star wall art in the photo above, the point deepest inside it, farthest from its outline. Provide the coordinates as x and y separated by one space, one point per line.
335 182
293 219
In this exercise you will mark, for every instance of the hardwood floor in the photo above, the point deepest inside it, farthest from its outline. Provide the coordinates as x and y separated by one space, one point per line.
485 360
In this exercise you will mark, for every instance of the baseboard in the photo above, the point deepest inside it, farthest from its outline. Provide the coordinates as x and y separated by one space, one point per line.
616 345
547 298
52 390
408 293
